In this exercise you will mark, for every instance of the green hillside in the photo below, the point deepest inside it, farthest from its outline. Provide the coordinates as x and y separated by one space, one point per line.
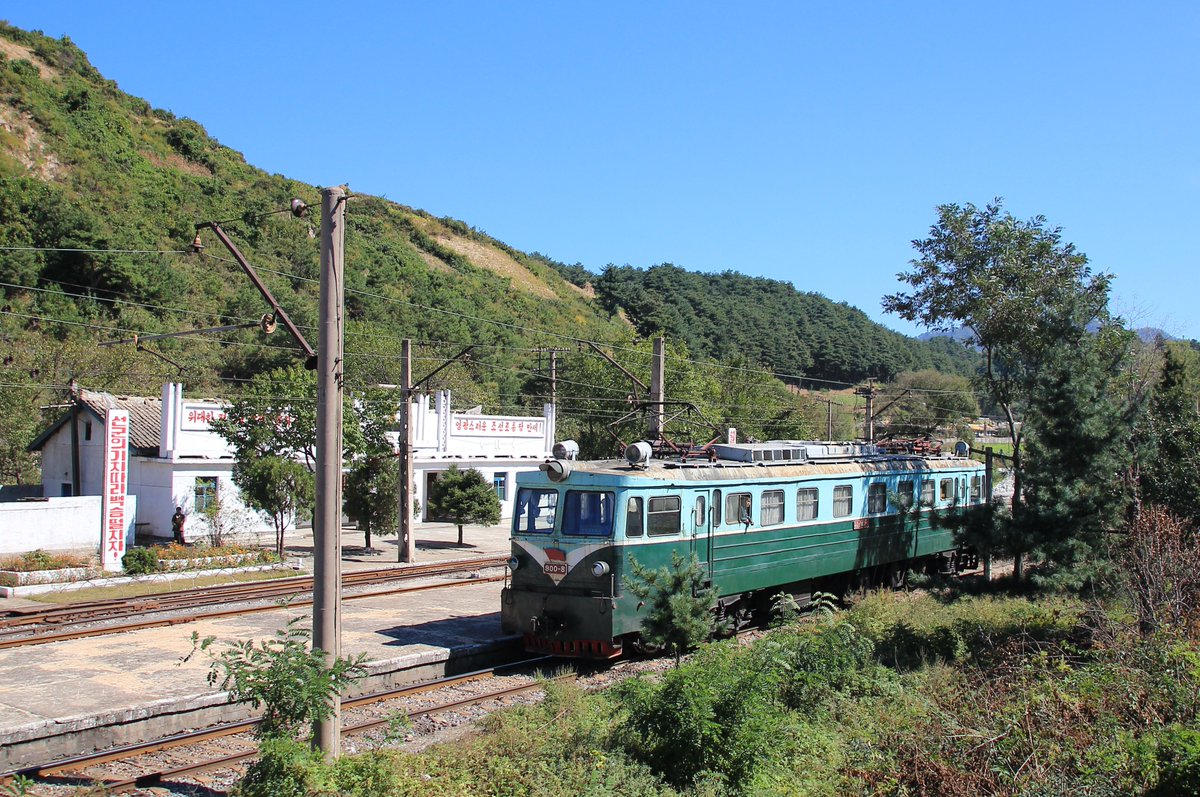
100 195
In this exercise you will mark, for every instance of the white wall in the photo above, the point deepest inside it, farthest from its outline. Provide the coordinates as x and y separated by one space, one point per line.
56 458
165 485
56 524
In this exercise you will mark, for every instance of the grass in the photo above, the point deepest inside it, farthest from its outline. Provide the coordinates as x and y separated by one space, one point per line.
139 588
903 694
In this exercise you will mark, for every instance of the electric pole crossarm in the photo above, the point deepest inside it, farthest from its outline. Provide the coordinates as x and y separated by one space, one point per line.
280 314
440 368
619 367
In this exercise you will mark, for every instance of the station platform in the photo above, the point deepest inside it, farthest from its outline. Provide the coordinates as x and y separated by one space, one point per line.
77 696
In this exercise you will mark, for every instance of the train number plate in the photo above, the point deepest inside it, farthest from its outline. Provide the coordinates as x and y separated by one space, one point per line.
555 568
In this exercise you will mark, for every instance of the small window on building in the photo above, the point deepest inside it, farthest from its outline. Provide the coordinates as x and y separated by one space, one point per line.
205 492
772 507
843 500
87 430
927 492
500 483
739 509
806 503
662 515
976 489
904 493
947 490
876 498
716 508
633 517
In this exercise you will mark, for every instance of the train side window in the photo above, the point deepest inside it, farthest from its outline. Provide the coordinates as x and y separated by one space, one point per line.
806 503
739 508
927 492
947 490
904 493
976 489
772 508
588 514
843 500
701 514
633 517
876 498
716 508
663 515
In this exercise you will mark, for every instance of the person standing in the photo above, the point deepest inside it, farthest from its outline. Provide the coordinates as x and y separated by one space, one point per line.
177 521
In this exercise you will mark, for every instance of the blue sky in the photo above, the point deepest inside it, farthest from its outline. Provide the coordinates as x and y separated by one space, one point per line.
800 141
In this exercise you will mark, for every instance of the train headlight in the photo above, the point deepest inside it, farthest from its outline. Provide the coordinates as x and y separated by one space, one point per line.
514 563
600 569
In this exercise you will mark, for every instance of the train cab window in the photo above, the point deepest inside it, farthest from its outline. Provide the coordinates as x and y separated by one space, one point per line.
739 509
927 492
806 503
976 489
876 498
633 517
772 508
843 500
535 511
663 515
588 514
716 508
947 490
904 493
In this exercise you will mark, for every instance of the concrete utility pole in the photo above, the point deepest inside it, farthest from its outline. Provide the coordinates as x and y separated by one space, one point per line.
657 387
327 519
869 392
407 550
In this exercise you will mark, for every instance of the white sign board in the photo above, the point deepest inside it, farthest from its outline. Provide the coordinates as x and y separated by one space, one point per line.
197 417
496 426
114 504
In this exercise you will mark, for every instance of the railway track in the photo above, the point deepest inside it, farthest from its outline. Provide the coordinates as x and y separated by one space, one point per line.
91 769
21 627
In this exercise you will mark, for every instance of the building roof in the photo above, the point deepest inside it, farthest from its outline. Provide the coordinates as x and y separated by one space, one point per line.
145 418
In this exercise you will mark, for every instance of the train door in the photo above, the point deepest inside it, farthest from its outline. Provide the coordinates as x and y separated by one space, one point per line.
702 532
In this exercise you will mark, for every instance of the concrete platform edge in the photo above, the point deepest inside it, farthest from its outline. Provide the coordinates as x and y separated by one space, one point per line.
45 741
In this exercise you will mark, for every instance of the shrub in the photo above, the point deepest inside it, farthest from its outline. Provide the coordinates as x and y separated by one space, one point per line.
42 560
140 561
283 675
712 718
817 662
284 768
1179 764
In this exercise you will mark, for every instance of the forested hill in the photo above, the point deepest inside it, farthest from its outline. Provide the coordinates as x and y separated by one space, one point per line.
99 197
100 194
768 321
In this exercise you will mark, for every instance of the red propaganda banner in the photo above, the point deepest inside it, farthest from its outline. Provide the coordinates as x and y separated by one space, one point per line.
114 503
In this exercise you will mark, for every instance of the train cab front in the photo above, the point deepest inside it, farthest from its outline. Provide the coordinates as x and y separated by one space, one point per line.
562 586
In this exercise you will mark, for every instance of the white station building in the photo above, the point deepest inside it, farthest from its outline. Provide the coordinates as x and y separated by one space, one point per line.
175 459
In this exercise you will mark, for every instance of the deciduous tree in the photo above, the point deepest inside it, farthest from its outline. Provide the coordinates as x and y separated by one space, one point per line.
1025 295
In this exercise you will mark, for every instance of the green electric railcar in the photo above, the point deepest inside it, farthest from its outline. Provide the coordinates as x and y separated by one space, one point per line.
761 518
